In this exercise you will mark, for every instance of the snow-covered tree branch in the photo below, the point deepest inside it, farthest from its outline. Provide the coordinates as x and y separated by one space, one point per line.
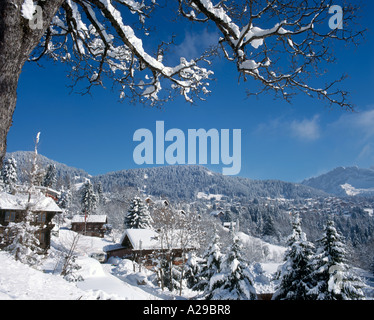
280 45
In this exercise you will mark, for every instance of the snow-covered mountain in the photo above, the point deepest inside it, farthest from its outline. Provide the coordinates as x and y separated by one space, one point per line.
24 161
344 181
189 182
186 182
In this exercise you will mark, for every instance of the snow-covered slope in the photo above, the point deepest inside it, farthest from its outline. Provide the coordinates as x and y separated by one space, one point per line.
24 160
344 181
114 280
184 182
20 282
100 281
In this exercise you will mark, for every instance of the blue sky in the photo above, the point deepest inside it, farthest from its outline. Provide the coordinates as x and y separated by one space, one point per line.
282 141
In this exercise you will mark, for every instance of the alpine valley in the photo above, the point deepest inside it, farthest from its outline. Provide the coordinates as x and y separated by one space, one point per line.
260 209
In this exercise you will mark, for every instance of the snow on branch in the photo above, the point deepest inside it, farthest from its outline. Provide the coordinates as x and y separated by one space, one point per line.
281 45
295 43
94 37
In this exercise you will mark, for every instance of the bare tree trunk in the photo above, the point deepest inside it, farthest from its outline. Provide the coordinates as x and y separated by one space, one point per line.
17 41
10 67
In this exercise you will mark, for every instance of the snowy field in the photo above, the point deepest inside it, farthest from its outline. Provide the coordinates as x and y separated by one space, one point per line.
115 279
100 281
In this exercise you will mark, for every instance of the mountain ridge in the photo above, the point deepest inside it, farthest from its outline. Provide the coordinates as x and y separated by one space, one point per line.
182 182
344 181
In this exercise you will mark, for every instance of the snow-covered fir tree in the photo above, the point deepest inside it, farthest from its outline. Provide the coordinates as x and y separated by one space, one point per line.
209 265
88 198
295 274
333 277
22 241
234 280
50 177
64 202
192 270
168 275
65 198
100 193
138 215
9 174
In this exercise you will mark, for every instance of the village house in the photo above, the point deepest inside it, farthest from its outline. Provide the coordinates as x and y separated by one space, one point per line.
142 245
91 225
13 208
49 192
218 214
156 203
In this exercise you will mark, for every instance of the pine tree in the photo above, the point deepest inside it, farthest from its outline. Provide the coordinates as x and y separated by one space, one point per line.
9 174
22 242
333 278
138 216
209 265
50 177
228 215
88 198
100 193
372 266
234 280
64 200
168 274
295 273
192 270
268 228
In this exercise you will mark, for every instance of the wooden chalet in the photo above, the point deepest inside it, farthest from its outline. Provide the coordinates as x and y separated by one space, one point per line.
13 208
93 225
156 203
218 214
49 192
142 245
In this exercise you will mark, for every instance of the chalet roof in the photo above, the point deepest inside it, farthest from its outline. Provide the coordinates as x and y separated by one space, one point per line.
229 224
48 190
92 218
216 213
145 239
20 201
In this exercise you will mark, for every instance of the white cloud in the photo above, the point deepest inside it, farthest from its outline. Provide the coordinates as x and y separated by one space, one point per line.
360 122
194 44
366 152
306 129
356 129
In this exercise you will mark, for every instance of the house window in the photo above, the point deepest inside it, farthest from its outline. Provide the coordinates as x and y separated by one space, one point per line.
10 216
41 237
41 217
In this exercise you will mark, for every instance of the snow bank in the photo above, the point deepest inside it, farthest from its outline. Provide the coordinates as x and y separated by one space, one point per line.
20 282
275 254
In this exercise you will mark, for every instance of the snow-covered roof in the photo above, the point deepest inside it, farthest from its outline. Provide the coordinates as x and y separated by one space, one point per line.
93 218
216 213
142 239
20 201
229 224
48 190
147 239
